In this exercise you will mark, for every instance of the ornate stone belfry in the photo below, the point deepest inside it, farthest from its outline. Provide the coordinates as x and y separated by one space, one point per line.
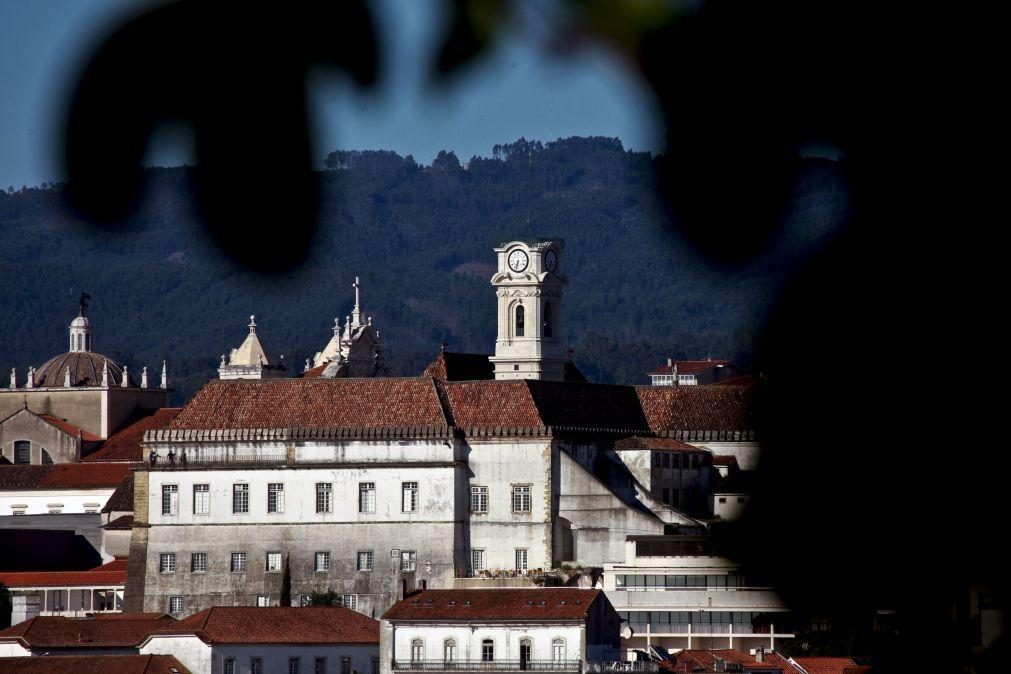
355 349
530 284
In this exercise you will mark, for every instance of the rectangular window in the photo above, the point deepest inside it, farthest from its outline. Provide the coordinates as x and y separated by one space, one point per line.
350 601
175 605
324 497
408 560
273 561
240 498
345 665
521 559
263 600
365 560
201 499
198 562
170 499
228 666
22 451
521 498
255 665
275 497
322 561
410 497
367 497
319 666
375 666
479 499
238 562
477 560
167 562
293 666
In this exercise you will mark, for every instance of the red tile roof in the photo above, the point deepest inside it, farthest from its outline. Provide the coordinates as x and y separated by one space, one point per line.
669 444
825 665
705 661
92 578
68 428
118 564
278 625
313 403
123 522
698 408
124 631
63 476
501 604
691 366
95 664
314 373
124 444
724 460
121 499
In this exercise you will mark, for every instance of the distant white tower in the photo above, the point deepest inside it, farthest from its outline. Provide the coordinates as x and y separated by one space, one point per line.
529 284
80 328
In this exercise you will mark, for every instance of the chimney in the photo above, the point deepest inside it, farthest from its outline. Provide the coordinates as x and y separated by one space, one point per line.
760 654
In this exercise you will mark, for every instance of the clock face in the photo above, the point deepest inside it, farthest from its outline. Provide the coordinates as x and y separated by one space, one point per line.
551 260
518 260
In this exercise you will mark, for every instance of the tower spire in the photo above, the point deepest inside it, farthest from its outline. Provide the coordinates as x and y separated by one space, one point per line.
356 315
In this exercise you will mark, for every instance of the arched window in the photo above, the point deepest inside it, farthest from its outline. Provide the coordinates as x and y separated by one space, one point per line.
22 451
525 647
520 320
46 459
558 650
547 319
487 650
449 650
417 650
80 341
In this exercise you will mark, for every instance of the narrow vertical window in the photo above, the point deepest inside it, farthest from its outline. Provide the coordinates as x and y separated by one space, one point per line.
170 499
228 666
417 650
520 320
324 497
479 499
22 451
487 650
477 560
175 605
410 497
201 499
255 665
526 646
240 498
558 650
547 319
449 650
345 665
521 559
275 497
367 497
293 666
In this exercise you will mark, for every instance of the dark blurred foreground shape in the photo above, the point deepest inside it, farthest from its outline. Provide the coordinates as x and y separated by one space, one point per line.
881 484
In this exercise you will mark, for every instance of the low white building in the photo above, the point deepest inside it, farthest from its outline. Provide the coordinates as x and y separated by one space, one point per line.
66 593
56 489
675 592
547 629
102 634
233 639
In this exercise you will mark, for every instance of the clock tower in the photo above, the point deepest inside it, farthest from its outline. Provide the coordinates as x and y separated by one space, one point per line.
529 284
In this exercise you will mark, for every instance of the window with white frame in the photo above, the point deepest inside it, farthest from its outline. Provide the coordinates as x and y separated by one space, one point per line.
449 650
167 562
263 600
417 650
487 650
410 497
374 665
521 498
275 497
365 559
477 560
256 665
273 562
319 666
558 650
170 499
478 499
228 666
521 559
408 560
322 561
345 665
350 601
201 499
294 666
366 497
240 498
238 564
198 562
175 605
324 497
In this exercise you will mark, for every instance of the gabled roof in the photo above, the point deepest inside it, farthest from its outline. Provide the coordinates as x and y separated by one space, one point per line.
312 403
124 631
110 574
277 625
124 444
698 408
566 604
121 499
63 476
95 664
695 660
668 444
69 428
121 523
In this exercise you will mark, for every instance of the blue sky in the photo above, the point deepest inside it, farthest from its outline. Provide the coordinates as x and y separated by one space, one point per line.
521 90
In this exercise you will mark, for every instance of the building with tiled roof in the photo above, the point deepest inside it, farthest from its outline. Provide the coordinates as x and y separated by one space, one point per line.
721 660
98 634
59 412
92 664
546 629
125 444
353 351
58 488
342 639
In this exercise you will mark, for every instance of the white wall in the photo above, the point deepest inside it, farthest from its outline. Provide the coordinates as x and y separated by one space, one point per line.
38 500
469 638
747 453
13 649
202 658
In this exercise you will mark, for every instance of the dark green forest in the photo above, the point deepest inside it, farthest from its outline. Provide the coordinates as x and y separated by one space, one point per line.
420 237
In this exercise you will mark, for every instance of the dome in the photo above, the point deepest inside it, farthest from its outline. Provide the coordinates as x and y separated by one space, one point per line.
85 370
80 322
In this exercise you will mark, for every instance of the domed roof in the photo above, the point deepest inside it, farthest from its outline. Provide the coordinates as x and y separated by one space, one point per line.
80 322
85 370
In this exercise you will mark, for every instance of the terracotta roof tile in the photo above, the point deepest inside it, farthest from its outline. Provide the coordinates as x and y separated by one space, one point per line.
825 665
501 604
669 444
123 522
705 661
57 632
315 373
69 428
95 664
278 625
63 475
313 403
493 403
121 499
698 408
124 444
93 577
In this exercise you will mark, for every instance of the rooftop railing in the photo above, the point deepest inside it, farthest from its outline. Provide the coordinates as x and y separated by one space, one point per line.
487 665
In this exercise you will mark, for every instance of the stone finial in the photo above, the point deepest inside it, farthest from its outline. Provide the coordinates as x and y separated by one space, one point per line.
143 377
66 378
370 321
105 374
337 327
164 373
223 361
307 366
126 378
31 378
252 325
14 378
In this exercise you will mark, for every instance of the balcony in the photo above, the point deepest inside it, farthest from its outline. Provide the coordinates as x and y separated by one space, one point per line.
487 665
626 666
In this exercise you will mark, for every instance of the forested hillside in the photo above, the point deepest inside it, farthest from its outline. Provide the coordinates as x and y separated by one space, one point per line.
421 238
